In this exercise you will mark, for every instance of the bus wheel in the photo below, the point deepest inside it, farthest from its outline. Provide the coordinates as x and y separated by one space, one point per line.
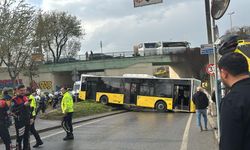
104 100
161 106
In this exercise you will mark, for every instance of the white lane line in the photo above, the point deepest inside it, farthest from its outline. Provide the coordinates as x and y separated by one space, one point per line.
74 127
186 132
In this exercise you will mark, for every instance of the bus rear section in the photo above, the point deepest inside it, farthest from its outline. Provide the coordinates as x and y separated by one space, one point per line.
167 48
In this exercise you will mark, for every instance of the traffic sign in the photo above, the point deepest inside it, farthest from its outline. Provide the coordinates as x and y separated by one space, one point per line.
207 49
210 69
140 3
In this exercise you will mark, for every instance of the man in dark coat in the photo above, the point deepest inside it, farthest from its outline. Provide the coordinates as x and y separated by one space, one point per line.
20 108
235 106
201 102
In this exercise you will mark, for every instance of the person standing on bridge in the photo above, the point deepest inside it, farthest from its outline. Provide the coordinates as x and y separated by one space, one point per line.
235 106
201 103
67 110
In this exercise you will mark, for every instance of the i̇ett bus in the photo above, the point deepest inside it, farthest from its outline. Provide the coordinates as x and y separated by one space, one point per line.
158 93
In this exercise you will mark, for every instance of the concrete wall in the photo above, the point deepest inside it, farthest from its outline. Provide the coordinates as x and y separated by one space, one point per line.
62 79
142 68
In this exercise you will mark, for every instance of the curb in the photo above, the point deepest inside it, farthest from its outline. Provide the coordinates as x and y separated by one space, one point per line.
214 127
78 121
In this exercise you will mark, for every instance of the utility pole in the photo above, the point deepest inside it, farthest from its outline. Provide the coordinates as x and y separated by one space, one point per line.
208 20
101 46
231 22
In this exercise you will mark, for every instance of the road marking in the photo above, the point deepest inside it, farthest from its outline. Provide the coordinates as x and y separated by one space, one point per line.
74 127
186 132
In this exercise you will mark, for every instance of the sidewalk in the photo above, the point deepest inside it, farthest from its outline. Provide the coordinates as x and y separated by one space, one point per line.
46 125
212 119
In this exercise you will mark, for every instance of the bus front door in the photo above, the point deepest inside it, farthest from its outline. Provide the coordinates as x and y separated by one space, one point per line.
131 90
181 97
133 93
91 90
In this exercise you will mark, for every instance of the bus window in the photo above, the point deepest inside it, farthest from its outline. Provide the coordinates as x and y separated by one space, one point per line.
150 45
115 85
173 47
163 89
146 90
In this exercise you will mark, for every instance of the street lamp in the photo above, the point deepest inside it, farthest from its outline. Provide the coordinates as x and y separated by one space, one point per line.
231 22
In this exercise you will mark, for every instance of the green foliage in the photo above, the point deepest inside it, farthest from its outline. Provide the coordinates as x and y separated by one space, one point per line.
81 109
56 29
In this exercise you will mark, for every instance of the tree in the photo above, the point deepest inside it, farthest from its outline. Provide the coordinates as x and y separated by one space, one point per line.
31 70
239 30
16 35
56 29
72 47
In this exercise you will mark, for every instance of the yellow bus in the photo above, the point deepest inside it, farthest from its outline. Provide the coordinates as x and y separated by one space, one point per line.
161 94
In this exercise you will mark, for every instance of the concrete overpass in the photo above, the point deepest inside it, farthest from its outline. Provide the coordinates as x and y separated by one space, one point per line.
51 76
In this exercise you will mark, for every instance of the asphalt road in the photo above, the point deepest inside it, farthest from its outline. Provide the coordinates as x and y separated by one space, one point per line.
134 131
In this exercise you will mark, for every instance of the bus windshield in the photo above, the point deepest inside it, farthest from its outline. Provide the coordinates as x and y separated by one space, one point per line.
150 45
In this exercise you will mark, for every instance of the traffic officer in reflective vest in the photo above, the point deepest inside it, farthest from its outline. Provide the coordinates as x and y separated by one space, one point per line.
4 132
33 117
20 108
67 110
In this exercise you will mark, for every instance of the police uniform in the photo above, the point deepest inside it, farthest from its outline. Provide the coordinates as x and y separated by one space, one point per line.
22 121
4 132
67 109
33 117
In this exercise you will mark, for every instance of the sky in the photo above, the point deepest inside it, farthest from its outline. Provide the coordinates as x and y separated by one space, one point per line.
120 26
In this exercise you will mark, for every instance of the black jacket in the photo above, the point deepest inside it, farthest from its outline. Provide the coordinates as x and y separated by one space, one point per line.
235 117
200 100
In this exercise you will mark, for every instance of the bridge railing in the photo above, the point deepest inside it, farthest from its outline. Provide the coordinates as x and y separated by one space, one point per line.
109 55
94 56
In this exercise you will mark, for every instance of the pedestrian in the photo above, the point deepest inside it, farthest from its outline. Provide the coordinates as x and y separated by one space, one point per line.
4 125
33 117
213 96
91 55
20 108
67 110
235 106
201 103
6 95
41 103
87 55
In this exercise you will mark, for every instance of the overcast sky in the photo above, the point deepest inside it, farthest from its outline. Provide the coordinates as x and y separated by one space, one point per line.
120 26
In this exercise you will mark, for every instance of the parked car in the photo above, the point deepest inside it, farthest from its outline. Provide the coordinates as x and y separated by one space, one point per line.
64 60
97 56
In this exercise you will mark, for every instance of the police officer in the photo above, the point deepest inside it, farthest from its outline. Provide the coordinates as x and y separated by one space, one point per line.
67 110
4 132
33 117
20 108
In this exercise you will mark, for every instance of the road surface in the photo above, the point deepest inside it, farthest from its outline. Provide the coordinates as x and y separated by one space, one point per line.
134 131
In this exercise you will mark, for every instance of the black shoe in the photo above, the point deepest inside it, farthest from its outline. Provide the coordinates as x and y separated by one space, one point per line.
38 144
69 137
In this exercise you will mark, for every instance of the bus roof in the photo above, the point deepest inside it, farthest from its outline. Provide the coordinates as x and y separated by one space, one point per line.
145 78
